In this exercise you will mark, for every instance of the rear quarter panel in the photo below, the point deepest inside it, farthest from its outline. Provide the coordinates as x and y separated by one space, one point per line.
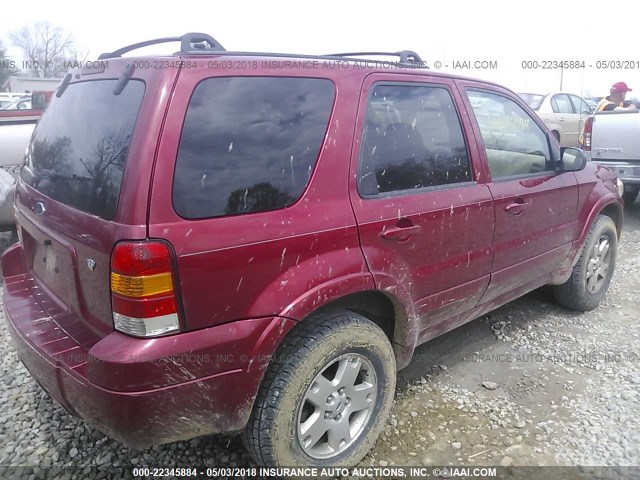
284 262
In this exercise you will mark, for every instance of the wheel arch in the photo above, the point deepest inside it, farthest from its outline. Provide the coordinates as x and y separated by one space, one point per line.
390 309
608 206
386 311
613 211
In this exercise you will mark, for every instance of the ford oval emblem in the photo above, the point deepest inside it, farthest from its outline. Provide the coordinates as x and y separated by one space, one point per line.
39 208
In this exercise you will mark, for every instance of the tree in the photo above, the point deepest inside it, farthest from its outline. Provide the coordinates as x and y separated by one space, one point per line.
6 67
46 49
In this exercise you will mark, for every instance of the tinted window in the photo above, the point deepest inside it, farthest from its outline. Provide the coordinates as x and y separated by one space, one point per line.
514 143
412 139
249 144
561 104
80 145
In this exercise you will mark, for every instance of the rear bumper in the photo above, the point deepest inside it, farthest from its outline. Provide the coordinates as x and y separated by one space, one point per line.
627 172
139 391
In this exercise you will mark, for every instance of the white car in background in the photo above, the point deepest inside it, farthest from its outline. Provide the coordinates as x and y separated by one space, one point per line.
7 98
20 104
563 113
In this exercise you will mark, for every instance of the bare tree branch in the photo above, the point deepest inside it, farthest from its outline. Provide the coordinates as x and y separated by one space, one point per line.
45 47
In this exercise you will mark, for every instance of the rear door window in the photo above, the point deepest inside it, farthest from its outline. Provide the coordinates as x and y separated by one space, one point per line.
412 139
249 144
79 148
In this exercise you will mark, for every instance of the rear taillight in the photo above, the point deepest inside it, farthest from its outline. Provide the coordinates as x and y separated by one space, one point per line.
586 134
143 297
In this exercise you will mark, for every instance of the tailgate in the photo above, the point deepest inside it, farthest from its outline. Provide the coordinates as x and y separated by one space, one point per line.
616 136
70 260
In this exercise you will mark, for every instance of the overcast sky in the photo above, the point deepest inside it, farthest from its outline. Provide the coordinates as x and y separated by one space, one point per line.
444 31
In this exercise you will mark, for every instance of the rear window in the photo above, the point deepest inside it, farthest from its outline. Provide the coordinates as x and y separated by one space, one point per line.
249 144
79 148
534 101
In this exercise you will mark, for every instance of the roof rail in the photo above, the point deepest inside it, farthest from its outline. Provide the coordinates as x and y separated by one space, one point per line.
407 57
189 43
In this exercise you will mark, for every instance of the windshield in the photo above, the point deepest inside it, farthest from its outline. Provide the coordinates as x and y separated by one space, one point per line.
80 145
533 100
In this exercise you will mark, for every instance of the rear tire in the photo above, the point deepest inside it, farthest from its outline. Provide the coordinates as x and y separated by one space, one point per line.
630 194
592 274
334 374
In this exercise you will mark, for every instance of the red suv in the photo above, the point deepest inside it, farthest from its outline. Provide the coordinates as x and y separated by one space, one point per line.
221 241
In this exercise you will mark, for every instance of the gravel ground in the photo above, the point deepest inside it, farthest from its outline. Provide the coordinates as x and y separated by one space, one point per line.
529 384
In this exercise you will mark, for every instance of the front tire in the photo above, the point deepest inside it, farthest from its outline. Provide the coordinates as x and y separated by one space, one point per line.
326 395
592 274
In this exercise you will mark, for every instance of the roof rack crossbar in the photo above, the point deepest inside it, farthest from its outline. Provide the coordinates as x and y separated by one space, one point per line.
189 43
407 57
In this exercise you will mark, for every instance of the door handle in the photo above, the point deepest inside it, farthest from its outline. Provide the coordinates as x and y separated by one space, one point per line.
400 234
516 208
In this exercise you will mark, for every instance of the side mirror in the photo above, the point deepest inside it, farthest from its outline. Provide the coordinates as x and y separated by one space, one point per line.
572 159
